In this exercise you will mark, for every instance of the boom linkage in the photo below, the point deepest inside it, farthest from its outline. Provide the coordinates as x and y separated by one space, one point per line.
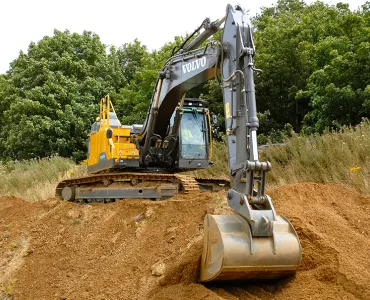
254 242
189 67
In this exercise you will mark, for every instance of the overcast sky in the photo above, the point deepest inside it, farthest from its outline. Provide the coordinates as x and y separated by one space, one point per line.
115 21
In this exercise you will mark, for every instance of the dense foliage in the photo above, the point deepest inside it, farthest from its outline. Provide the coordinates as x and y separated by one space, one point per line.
141 70
51 95
316 64
316 73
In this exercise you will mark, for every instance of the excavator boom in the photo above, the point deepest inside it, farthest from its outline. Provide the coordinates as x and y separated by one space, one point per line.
143 161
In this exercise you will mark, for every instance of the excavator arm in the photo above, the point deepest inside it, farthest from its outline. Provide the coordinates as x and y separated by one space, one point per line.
233 58
180 74
253 242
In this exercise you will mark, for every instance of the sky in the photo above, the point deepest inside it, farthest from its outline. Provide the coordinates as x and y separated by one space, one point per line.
116 22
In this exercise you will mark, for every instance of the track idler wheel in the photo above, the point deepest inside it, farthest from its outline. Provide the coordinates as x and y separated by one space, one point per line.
69 193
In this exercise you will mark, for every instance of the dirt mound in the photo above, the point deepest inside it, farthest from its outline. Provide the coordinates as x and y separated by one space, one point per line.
150 250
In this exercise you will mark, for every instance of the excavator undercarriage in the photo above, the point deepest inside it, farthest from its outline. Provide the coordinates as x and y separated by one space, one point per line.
111 187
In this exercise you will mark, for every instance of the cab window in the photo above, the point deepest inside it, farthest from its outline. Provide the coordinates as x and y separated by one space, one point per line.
193 136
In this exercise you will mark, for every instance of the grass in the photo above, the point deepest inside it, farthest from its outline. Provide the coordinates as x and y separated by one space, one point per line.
35 179
333 157
7 290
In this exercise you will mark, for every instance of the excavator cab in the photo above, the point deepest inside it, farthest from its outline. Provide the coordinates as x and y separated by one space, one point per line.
195 135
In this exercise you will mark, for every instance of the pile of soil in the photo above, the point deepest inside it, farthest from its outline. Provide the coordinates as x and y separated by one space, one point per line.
138 249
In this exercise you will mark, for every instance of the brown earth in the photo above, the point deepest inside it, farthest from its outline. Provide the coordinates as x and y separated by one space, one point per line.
150 250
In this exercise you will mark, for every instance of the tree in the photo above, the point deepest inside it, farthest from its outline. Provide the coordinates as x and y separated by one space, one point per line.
132 57
283 41
309 57
4 89
339 88
54 95
133 99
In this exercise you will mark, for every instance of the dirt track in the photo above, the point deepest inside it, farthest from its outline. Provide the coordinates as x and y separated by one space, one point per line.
150 250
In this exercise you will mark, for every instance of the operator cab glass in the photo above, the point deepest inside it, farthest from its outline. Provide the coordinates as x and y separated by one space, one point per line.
193 132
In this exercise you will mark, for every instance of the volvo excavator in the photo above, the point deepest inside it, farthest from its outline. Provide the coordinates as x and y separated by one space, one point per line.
146 161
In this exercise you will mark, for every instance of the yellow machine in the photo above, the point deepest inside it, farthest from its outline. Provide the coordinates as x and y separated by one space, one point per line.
114 158
145 161
110 139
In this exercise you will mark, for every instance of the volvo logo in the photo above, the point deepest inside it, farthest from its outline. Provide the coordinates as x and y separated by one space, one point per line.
194 65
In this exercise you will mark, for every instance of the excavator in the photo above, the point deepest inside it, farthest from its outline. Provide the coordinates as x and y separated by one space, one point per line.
147 161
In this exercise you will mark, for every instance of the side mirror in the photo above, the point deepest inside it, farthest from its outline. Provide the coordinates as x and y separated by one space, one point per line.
214 118
109 133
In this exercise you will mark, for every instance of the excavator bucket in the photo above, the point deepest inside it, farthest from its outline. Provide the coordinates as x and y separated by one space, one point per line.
230 252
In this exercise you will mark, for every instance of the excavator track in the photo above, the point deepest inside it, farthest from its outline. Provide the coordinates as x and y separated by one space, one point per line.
189 183
108 187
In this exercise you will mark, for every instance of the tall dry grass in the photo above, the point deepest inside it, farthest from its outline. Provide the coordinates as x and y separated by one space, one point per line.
35 179
333 157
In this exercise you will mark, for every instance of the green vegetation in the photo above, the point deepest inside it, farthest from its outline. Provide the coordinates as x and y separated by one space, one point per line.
35 179
315 62
334 157
6 292
51 95
316 74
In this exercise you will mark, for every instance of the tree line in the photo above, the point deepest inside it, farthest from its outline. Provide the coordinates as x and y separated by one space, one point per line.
316 75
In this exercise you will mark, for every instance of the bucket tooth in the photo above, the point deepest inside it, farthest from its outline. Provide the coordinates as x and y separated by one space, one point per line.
230 252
